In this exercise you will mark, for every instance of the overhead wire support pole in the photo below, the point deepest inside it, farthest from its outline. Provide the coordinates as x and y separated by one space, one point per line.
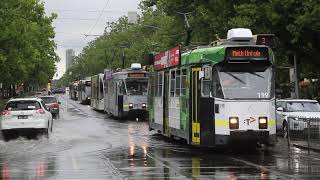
296 76
123 57
122 46
189 29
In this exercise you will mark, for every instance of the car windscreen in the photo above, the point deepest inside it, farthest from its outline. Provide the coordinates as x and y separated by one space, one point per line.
22 105
49 100
303 106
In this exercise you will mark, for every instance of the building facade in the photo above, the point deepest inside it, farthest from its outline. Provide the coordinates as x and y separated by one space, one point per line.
70 54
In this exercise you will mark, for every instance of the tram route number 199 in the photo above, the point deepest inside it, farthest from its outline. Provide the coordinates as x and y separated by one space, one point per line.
263 95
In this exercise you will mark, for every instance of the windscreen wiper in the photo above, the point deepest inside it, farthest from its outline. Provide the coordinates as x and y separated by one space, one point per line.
236 77
256 74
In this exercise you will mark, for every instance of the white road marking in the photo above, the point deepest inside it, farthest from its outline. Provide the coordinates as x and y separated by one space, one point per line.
73 161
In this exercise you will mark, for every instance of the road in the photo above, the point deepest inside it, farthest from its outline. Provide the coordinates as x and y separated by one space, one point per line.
86 144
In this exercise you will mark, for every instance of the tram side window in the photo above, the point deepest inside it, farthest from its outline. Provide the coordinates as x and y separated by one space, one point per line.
173 82
154 85
206 87
183 82
178 85
217 89
122 89
160 78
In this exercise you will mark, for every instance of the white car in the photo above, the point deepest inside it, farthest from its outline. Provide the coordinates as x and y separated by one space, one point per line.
26 114
299 110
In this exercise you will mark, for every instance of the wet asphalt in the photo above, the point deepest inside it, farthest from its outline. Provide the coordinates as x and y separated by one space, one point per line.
86 144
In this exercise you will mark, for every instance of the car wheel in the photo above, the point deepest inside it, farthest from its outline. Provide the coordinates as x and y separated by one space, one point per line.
285 129
51 128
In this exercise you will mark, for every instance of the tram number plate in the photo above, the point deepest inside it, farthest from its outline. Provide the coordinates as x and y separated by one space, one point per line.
263 95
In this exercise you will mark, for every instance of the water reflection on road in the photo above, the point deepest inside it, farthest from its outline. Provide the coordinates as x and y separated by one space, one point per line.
90 145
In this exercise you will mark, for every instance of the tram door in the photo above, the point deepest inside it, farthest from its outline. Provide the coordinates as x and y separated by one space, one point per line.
195 91
166 104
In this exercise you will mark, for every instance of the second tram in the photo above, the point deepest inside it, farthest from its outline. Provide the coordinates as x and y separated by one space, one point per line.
216 95
85 91
126 92
97 92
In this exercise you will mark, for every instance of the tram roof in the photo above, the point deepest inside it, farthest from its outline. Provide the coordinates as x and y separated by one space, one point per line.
213 55
202 55
126 71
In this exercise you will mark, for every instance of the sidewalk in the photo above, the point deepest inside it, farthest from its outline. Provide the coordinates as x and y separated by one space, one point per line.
304 145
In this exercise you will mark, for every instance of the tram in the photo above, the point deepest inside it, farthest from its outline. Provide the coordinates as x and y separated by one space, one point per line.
216 95
97 92
73 91
126 92
85 91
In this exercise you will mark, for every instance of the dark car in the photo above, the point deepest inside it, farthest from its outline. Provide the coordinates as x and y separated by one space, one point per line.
52 104
59 91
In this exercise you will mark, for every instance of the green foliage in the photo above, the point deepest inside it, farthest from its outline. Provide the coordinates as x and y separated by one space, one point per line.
26 43
294 22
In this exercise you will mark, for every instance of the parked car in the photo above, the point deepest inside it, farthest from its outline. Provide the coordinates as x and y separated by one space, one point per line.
27 114
52 104
299 110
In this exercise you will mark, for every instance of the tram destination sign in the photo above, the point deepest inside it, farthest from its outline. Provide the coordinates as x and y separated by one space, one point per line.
247 53
137 75
167 59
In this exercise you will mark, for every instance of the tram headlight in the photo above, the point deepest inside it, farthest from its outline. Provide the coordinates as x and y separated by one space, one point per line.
144 105
130 105
263 122
234 122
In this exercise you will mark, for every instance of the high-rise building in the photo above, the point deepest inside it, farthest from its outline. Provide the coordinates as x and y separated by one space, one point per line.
70 54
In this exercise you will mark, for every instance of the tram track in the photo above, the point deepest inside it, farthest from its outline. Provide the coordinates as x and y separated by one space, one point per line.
176 171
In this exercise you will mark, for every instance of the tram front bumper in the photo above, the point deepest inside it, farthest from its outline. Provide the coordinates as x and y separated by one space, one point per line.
137 113
251 135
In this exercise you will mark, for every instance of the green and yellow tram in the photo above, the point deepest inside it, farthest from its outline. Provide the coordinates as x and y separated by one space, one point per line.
216 95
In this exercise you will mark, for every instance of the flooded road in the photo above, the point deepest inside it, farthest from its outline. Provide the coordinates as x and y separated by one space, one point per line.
86 144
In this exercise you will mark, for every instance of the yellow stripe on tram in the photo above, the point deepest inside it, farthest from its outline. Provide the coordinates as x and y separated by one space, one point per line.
222 123
272 122
126 105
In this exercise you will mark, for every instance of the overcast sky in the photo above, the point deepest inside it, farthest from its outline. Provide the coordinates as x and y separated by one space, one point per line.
79 17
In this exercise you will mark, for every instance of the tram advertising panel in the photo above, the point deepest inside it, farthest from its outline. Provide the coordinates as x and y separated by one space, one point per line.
167 59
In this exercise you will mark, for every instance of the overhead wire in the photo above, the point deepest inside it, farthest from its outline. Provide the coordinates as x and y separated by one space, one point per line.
90 11
100 15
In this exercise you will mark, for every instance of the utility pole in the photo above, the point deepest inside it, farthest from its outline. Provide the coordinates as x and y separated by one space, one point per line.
188 27
123 46
296 82
123 57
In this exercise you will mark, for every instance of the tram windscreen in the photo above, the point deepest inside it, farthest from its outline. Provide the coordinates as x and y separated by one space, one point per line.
135 87
247 84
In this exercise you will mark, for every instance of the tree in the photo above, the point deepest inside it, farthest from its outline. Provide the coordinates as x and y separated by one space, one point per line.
26 43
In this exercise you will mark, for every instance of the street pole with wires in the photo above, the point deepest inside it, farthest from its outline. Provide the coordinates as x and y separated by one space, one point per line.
189 29
123 46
